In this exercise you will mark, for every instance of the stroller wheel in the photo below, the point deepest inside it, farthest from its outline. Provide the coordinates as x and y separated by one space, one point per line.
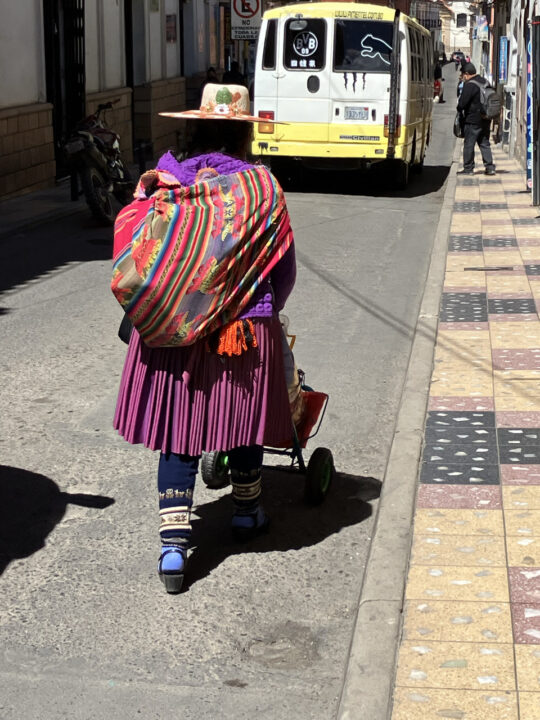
215 469
319 475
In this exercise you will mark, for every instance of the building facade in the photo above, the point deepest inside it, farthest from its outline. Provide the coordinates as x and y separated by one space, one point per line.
79 53
152 55
506 50
459 27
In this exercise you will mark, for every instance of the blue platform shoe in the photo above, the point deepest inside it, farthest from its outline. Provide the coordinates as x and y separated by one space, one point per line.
246 526
171 566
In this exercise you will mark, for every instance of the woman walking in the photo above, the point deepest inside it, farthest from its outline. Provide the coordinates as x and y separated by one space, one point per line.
205 372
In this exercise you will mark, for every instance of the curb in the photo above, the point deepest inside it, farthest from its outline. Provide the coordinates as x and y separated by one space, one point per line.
369 678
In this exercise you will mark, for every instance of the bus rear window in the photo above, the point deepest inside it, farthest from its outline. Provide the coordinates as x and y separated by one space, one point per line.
305 44
269 51
362 46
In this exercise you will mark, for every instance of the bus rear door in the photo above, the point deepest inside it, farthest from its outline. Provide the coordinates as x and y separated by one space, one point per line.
303 88
360 84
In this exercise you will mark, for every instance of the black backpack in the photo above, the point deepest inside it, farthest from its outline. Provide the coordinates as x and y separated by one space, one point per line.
490 102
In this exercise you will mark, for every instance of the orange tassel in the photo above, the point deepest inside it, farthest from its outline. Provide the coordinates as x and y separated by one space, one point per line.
234 340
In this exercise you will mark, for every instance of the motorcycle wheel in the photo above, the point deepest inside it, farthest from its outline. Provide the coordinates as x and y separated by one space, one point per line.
97 196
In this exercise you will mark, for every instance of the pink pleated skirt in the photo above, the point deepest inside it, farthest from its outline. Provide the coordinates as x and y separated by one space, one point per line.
189 400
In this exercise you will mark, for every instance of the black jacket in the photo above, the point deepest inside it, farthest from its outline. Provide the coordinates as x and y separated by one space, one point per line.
469 102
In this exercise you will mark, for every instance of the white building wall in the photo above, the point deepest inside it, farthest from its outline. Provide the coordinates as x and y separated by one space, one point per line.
212 57
156 29
189 39
104 45
113 50
172 49
196 23
141 68
91 46
460 38
22 78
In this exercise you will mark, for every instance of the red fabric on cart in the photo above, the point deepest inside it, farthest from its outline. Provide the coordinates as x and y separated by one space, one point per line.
313 404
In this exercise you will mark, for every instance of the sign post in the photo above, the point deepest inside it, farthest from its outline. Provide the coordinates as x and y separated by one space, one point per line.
529 111
535 109
503 59
245 19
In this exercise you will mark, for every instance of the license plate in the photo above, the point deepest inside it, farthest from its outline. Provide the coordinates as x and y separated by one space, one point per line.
356 113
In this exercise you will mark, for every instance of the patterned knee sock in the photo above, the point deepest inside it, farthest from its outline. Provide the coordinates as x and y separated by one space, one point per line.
176 482
175 518
246 491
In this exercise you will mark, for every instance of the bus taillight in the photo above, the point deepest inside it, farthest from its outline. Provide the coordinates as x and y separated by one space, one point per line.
397 132
266 127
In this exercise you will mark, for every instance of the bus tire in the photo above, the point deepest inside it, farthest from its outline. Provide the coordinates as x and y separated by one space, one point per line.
287 172
418 167
400 172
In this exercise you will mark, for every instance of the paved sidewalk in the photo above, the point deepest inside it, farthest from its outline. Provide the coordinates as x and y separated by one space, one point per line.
23 212
26 211
470 644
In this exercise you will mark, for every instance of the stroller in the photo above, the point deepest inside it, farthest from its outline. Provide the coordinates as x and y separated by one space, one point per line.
319 471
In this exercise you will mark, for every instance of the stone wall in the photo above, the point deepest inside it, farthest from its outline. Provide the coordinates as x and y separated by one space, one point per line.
150 99
27 160
26 149
118 118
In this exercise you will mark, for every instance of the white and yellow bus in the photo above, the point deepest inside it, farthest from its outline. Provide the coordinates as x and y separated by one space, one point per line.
352 83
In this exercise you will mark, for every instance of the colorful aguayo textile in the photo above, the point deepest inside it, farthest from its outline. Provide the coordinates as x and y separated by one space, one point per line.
188 259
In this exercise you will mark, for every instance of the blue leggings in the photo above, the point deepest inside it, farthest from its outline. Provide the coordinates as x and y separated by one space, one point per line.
176 482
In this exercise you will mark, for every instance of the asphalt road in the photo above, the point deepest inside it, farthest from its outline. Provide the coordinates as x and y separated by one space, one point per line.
263 630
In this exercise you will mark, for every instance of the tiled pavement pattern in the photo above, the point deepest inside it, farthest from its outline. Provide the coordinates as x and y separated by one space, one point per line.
470 646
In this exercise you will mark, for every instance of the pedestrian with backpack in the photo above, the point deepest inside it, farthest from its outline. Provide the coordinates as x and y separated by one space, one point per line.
204 262
478 105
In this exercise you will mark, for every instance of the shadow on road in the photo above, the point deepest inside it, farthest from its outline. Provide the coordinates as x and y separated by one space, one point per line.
30 507
34 253
294 524
371 183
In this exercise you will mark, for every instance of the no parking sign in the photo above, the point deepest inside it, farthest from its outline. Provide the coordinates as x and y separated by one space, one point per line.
245 19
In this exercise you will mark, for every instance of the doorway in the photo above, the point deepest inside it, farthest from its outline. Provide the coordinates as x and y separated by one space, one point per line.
64 69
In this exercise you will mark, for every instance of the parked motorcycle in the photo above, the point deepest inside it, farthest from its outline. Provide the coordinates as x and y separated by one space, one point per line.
93 155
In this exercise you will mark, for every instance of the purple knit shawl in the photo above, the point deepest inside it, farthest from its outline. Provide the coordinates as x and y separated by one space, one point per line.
186 171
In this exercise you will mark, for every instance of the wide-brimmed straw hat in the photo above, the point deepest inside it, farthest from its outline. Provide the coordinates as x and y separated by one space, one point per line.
221 102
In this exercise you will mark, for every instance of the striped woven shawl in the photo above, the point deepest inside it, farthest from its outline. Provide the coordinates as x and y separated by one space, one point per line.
188 259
